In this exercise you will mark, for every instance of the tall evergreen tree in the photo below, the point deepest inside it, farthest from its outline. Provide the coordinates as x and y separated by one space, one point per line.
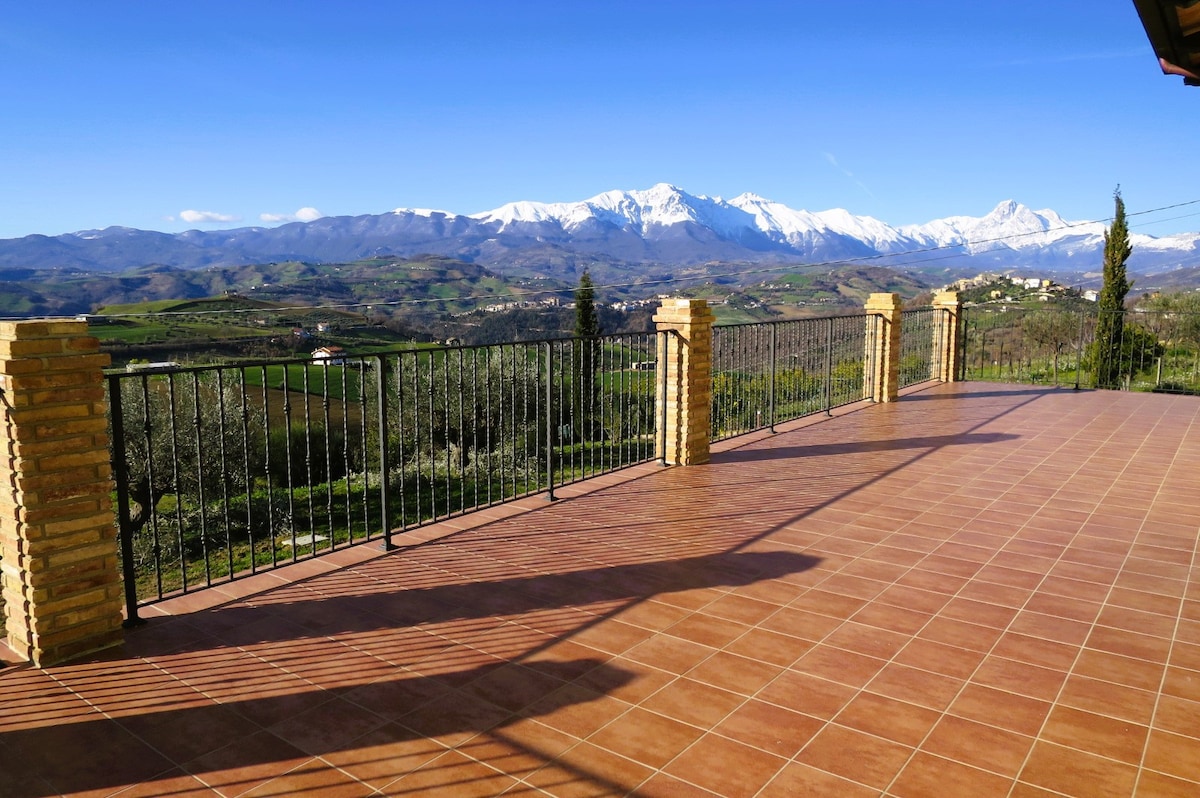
587 356
1110 326
587 323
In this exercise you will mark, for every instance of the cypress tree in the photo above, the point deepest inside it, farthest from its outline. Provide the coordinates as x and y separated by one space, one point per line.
587 323
1110 326
587 355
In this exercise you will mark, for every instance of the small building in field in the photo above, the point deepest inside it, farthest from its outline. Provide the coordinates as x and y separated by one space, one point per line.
330 356
161 365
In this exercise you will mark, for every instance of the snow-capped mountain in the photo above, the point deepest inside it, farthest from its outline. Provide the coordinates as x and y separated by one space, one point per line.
1009 225
651 213
661 229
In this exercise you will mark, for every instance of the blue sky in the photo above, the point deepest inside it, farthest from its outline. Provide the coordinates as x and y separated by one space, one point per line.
133 113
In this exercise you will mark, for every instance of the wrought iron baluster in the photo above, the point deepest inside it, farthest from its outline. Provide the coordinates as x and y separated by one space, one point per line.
447 433
474 452
402 459
327 424
197 430
175 481
381 401
247 476
221 430
266 403
430 381
417 474
287 442
309 477
364 440
487 415
550 420
124 523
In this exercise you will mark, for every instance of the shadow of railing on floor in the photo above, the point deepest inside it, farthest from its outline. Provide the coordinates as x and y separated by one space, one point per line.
210 739
927 396
320 616
862 447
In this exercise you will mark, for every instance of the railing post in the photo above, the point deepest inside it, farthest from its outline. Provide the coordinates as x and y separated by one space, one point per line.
1079 351
771 387
385 466
550 421
58 553
124 525
947 330
660 393
964 341
829 366
882 356
685 396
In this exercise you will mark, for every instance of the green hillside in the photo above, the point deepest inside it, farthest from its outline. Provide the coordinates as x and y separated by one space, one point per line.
203 330
431 283
807 291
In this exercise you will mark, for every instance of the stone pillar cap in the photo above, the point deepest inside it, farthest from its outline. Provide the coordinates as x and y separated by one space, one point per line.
889 301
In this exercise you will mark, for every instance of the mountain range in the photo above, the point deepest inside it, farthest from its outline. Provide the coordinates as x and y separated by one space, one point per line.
639 232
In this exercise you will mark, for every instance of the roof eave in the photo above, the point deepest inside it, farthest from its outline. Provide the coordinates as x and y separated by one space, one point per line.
1161 22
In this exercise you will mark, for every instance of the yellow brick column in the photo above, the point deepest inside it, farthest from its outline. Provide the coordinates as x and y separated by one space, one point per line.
947 357
686 407
881 377
58 552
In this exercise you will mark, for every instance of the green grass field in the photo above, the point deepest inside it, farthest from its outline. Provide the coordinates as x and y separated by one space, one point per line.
336 382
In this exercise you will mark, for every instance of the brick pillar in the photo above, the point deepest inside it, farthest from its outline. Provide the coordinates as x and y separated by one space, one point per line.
688 383
881 377
947 357
58 554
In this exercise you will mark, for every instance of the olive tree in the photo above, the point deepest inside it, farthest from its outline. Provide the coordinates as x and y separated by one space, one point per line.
188 438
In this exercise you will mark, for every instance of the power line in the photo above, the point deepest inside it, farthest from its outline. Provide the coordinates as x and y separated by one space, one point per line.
1169 219
1163 208
518 295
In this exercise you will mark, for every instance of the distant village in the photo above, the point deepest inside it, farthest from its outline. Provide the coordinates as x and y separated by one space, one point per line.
1002 288
556 302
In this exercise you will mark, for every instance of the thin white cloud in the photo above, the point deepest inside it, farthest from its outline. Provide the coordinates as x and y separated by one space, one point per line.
833 161
207 217
303 215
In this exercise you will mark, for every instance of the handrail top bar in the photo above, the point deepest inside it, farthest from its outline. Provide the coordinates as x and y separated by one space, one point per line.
399 349
776 322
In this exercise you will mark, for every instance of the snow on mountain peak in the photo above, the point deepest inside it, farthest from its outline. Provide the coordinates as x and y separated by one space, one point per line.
1010 218
1009 226
660 205
1007 209
796 227
428 212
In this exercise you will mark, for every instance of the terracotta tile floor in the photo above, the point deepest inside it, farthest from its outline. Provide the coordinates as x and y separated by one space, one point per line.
980 590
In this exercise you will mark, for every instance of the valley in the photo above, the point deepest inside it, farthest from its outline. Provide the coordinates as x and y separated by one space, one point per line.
420 276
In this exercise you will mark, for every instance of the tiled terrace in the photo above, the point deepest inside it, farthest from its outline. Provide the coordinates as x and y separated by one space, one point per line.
981 590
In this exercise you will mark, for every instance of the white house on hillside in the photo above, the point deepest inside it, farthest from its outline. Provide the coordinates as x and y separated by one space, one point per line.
330 356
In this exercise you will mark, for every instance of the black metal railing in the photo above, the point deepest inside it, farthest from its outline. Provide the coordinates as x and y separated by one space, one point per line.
918 332
228 470
765 374
1083 348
